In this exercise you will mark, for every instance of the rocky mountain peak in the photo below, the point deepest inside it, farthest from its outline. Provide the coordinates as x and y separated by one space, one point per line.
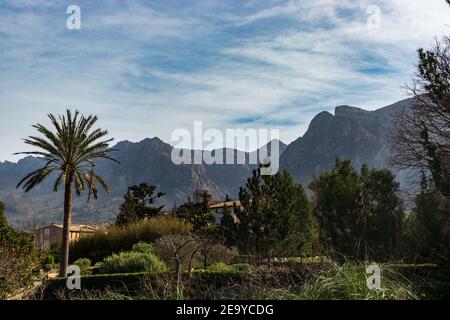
349 111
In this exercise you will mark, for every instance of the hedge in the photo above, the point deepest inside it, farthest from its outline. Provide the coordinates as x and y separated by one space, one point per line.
131 283
121 281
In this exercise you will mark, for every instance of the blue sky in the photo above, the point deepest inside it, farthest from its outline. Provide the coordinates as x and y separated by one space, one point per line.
147 68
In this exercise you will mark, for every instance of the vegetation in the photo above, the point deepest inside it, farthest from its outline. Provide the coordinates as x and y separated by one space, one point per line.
197 214
315 247
71 151
84 264
325 281
117 239
426 237
18 259
422 144
360 214
422 141
141 258
138 204
349 282
275 218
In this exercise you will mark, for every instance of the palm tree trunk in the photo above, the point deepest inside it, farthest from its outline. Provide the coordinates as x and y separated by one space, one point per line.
64 263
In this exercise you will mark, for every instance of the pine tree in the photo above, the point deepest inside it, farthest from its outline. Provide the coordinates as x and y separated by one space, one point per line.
197 214
274 218
127 209
360 215
139 204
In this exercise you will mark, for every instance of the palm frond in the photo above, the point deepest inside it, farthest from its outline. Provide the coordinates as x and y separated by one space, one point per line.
72 149
58 182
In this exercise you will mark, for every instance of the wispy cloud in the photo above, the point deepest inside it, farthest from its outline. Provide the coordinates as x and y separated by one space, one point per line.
147 68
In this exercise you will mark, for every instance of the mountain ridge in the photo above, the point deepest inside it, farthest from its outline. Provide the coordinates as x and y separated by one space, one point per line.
351 133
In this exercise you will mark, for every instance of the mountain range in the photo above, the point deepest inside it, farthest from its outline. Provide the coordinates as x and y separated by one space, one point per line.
351 133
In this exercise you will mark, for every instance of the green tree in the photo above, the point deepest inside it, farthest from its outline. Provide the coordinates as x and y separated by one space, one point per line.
274 217
360 215
197 214
383 213
71 151
228 228
127 211
426 236
336 201
139 204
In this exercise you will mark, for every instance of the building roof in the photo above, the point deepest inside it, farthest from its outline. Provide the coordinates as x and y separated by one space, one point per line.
222 204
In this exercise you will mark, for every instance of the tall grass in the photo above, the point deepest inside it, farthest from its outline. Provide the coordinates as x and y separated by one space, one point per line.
117 239
349 282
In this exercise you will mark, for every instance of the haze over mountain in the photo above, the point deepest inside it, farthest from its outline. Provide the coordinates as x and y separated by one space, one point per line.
351 133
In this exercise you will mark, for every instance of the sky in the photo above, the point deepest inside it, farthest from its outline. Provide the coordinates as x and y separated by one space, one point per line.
147 68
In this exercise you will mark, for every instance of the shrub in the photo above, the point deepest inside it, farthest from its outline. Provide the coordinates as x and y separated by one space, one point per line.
241 266
128 282
220 267
18 258
84 264
143 247
202 285
49 262
117 239
126 262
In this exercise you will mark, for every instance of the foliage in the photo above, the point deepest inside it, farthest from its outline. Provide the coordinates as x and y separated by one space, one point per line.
84 264
426 237
331 281
143 247
49 262
116 239
275 217
132 261
197 214
128 282
349 282
18 258
139 204
70 151
360 215
221 267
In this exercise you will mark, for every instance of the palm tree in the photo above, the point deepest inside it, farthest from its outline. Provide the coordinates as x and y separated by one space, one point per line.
71 152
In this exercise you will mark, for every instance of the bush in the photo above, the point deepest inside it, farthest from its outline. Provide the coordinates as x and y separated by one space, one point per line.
19 260
220 267
241 266
116 239
127 262
49 262
143 247
84 264
128 282
142 285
